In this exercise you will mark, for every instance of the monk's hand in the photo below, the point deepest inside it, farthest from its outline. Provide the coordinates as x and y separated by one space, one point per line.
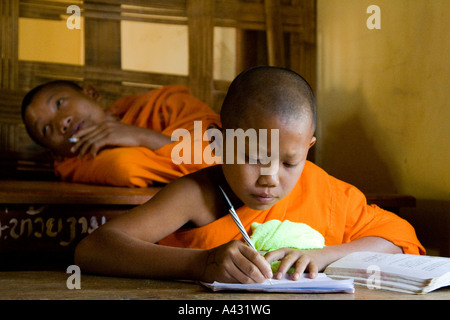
235 262
115 134
300 260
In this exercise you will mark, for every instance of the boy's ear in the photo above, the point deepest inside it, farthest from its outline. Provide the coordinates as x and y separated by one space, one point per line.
90 91
313 141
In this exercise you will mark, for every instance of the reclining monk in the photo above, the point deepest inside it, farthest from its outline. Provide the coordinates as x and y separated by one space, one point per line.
128 144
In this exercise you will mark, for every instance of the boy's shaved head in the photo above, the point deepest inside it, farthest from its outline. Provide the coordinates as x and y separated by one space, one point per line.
28 98
54 111
271 90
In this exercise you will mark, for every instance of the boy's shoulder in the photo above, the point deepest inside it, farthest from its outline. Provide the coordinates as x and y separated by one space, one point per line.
205 177
312 171
317 175
198 193
200 186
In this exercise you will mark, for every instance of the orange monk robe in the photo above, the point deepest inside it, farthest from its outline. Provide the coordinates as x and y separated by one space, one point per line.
334 208
162 110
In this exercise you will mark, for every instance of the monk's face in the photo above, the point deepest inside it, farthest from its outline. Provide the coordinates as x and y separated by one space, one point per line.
57 112
260 190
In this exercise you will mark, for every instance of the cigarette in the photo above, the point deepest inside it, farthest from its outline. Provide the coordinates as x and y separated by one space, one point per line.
73 139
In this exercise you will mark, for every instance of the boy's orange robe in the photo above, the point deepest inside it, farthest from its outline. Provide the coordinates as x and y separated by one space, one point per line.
336 209
162 110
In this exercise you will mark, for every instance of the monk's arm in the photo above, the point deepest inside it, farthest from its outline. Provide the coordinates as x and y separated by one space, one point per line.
117 134
127 245
316 260
151 139
110 251
330 254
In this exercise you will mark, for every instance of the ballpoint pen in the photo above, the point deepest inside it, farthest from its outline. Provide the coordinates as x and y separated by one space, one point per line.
238 222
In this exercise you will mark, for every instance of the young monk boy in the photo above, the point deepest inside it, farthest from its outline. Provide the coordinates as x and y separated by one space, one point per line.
185 231
71 122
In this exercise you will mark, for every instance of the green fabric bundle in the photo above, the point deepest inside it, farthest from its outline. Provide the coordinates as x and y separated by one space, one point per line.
275 234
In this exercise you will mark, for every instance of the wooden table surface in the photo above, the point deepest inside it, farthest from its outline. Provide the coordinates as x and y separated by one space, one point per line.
35 285
57 192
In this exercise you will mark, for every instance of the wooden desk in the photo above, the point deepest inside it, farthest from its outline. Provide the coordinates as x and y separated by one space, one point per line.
56 192
52 285
42 221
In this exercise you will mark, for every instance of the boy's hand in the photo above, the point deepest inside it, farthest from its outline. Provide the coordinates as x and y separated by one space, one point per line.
115 134
298 259
316 260
235 262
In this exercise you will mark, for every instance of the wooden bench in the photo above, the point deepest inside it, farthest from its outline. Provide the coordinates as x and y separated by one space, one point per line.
42 221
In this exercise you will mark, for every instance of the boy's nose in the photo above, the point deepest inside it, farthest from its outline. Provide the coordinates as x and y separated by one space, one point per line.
64 124
269 180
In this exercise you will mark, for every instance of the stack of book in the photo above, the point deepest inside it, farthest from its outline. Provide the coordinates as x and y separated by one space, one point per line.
397 272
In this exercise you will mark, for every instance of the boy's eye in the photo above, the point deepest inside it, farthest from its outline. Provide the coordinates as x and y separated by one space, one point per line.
59 102
45 130
250 160
289 165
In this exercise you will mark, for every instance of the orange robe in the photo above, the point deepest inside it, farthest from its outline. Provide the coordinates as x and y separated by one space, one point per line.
162 110
334 208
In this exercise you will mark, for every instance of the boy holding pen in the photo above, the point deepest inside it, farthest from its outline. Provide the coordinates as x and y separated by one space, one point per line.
186 232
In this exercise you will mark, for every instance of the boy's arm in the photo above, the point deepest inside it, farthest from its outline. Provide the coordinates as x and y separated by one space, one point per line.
147 120
360 227
316 260
127 245
117 134
111 251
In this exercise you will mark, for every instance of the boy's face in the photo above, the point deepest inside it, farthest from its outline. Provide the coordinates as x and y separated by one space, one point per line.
57 112
261 191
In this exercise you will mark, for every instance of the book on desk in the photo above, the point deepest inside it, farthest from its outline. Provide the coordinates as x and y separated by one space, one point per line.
396 272
404 273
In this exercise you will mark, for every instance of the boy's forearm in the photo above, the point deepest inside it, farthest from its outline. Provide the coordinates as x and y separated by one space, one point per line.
377 244
154 140
111 252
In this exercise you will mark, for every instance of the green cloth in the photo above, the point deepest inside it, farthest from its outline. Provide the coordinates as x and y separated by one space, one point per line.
274 234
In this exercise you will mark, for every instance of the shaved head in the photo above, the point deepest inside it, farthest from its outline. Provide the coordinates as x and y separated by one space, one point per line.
269 90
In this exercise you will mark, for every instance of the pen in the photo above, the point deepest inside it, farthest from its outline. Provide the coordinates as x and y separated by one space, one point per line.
238 222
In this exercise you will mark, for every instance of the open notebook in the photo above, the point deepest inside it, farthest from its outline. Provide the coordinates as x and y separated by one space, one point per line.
321 284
